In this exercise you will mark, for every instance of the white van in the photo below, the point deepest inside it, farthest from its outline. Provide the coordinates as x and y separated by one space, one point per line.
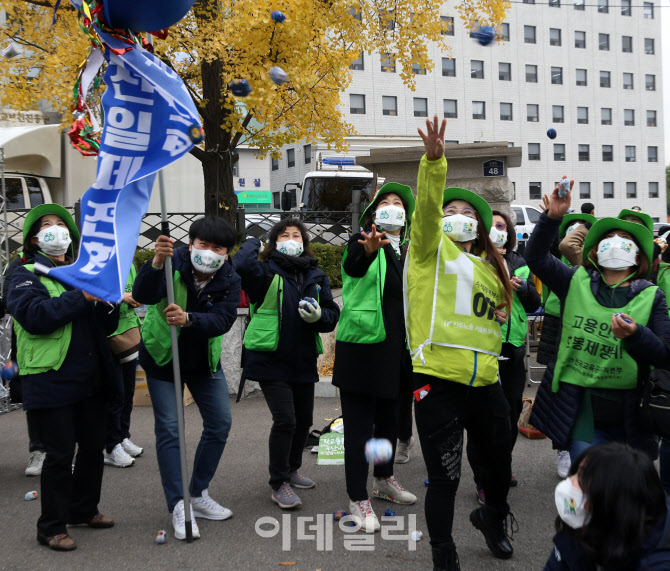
526 218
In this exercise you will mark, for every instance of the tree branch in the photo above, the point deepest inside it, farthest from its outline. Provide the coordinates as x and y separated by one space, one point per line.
238 135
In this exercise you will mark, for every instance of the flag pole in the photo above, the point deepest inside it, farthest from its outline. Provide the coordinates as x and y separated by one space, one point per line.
176 371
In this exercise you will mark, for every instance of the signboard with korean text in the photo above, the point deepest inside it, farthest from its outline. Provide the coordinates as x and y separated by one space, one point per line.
493 168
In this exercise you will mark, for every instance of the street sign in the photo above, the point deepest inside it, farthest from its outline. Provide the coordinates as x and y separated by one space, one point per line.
493 168
254 196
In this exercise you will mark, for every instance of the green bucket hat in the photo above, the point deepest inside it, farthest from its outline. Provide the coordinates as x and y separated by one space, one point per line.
569 219
403 191
36 213
479 204
644 238
645 219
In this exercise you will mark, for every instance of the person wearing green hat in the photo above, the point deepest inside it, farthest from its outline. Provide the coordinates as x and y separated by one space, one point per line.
456 289
638 217
69 376
371 359
572 233
614 323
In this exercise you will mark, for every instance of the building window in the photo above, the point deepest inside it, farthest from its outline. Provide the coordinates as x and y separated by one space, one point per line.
628 80
478 110
608 190
603 6
627 44
649 47
535 190
275 164
631 190
290 157
557 75
581 77
355 13
505 111
236 169
652 154
358 63
650 82
532 113
389 105
307 151
529 1
418 70
529 34
476 69
387 19
629 117
584 190
554 37
531 73
580 39
451 142
447 25
420 107
559 152
504 71
555 3
604 42
557 115
651 118
608 153
606 116
533 151
630 154
626 8
388 63
605 79
450 108
648 10
584 153
579 5
653 190
504 32
356 104
582 115
448 67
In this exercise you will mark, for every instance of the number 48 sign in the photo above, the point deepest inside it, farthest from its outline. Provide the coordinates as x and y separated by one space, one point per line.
494 168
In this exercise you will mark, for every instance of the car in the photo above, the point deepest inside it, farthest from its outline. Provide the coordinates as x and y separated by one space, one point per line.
526 218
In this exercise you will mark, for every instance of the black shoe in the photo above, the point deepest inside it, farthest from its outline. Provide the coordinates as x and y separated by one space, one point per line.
445 558
494 527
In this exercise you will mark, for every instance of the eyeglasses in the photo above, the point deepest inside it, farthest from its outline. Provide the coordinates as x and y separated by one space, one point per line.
451 210
501 226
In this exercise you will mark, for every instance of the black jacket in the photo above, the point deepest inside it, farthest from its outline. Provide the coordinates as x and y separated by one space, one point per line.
213 312
294 361
89 365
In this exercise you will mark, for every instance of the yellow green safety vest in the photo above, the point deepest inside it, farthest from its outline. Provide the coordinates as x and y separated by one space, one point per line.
663 281
127 316
515 328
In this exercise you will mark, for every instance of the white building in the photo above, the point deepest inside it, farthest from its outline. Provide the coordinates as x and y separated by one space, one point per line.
592 72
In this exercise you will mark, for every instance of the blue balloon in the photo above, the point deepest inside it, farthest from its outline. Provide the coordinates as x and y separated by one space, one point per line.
240 87
145 16
196 134
277 16
551 133
485 35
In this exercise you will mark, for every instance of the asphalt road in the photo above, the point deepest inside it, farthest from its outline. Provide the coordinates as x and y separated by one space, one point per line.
134 498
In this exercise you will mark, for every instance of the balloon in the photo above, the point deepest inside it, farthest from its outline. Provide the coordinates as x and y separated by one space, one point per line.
145 15
277 16
485 35
551 133
278 75
240 87
196 134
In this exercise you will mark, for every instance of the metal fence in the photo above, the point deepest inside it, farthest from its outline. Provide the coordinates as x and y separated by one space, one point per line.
324 227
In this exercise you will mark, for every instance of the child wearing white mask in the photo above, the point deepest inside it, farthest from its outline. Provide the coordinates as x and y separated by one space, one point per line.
291 304
614 323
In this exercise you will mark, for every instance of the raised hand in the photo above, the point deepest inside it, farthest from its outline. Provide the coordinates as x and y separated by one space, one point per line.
558 207
434 139
373 241
545 203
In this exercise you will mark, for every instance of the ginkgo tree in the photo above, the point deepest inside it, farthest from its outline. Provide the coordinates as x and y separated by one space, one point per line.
223 40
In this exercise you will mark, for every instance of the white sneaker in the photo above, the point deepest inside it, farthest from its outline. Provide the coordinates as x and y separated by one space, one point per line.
35 463
118 457
179 522
364 516
563 463
402 451
391 490
205 507
131 448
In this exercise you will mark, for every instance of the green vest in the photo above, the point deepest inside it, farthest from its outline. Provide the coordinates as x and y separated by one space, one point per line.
588 353
550 301
362 319
41 353
264 327
515 328
127 316
663 281
156 331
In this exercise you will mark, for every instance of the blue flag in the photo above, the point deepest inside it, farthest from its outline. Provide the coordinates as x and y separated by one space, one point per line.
148 114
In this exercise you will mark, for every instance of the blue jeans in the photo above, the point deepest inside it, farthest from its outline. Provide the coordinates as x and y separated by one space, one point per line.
212 398
599 437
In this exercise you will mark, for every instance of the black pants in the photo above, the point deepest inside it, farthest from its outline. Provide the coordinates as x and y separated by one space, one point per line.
292 406
513 379
35 443
441 417
365 417
118 426
67 495
405 399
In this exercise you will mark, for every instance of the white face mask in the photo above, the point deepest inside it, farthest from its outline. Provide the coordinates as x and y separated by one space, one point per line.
54 240
459 227
498 237
390 218
570 503
290 247
206 261
617 253
572 228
